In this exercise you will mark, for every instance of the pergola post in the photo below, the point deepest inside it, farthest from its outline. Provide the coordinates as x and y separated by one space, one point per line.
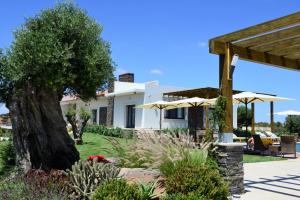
226 91
206 110
252 119
272 115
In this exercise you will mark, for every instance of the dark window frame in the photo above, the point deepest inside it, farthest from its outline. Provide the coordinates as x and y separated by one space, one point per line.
94 116
174 113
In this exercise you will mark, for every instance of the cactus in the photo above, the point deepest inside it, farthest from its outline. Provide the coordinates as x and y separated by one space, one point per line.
86 176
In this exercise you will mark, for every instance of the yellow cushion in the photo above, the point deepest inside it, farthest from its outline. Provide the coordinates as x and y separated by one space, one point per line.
267 141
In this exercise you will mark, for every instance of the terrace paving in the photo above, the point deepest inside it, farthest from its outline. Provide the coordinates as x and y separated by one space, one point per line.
274 180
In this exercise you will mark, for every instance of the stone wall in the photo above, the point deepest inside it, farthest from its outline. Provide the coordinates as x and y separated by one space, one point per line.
230 160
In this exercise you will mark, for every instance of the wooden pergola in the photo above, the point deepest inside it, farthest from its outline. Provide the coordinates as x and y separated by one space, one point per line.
275 43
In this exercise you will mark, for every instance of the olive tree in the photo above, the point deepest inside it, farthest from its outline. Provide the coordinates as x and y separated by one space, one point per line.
78 123
57 52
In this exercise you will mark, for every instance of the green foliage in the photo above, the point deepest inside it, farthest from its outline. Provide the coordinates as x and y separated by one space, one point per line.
5 133
59 49
241 133
112 132
16 186
85 176
219 113
280 129
84 114
7 156
148 190
292 124
194 175
71 112
189 196
117 190
241 116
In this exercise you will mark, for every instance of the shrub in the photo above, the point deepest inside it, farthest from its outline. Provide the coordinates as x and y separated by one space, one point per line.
5 133
112 132
7 156
148 190
117 190
36 185
193 175
85 176
150 149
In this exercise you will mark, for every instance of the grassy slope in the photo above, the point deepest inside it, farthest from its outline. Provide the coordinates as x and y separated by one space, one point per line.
257 158
95 144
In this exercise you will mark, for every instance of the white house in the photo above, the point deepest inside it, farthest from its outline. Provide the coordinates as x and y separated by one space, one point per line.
116 107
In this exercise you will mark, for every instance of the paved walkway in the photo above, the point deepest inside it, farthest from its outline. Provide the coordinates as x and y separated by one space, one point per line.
276 180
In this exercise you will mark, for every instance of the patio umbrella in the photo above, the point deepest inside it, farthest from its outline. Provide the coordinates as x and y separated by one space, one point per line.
251 97
192 102
157 105
288 113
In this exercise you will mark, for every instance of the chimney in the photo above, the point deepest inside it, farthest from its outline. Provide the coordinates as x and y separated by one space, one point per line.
128 77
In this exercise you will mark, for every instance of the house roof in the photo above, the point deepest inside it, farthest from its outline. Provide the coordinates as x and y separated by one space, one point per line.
276 42
126 92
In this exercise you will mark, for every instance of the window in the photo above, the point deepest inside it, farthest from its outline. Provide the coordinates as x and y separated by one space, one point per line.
94 116
177 113
130 116
102 115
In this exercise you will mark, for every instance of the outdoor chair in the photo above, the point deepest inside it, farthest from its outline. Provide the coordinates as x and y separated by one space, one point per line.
288 145
259 145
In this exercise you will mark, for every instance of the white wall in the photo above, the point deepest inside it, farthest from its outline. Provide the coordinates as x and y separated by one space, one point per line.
120 104
90 105
150 119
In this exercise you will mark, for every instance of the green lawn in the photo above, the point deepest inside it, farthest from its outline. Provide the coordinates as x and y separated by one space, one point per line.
94 144
257 158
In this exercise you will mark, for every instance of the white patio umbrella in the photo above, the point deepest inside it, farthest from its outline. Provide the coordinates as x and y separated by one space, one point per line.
288 112
251 97
191 102
157 105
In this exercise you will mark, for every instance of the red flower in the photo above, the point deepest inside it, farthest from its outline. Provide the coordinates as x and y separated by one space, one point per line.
100 158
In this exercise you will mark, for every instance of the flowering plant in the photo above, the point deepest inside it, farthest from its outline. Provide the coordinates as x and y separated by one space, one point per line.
100 158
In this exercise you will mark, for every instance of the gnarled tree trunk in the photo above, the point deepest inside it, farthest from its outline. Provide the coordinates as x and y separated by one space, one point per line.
40 135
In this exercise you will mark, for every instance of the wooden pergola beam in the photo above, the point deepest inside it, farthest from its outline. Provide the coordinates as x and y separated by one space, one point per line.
270 37
284 43
257 56
268 26
286 51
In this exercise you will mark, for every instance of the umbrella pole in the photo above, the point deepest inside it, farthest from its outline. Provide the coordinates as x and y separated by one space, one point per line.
160 111
246 104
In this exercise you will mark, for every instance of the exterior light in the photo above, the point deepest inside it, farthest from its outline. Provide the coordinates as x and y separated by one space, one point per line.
234 60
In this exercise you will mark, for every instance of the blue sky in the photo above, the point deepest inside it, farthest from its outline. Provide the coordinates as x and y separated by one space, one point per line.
167 41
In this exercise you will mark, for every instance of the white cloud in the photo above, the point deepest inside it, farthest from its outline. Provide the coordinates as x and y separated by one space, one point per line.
156 72
202 44
121 71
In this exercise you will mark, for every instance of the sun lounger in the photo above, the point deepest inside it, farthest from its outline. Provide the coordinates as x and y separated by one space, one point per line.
258 145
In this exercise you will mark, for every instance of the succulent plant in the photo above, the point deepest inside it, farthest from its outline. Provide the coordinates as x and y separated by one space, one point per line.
86 176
